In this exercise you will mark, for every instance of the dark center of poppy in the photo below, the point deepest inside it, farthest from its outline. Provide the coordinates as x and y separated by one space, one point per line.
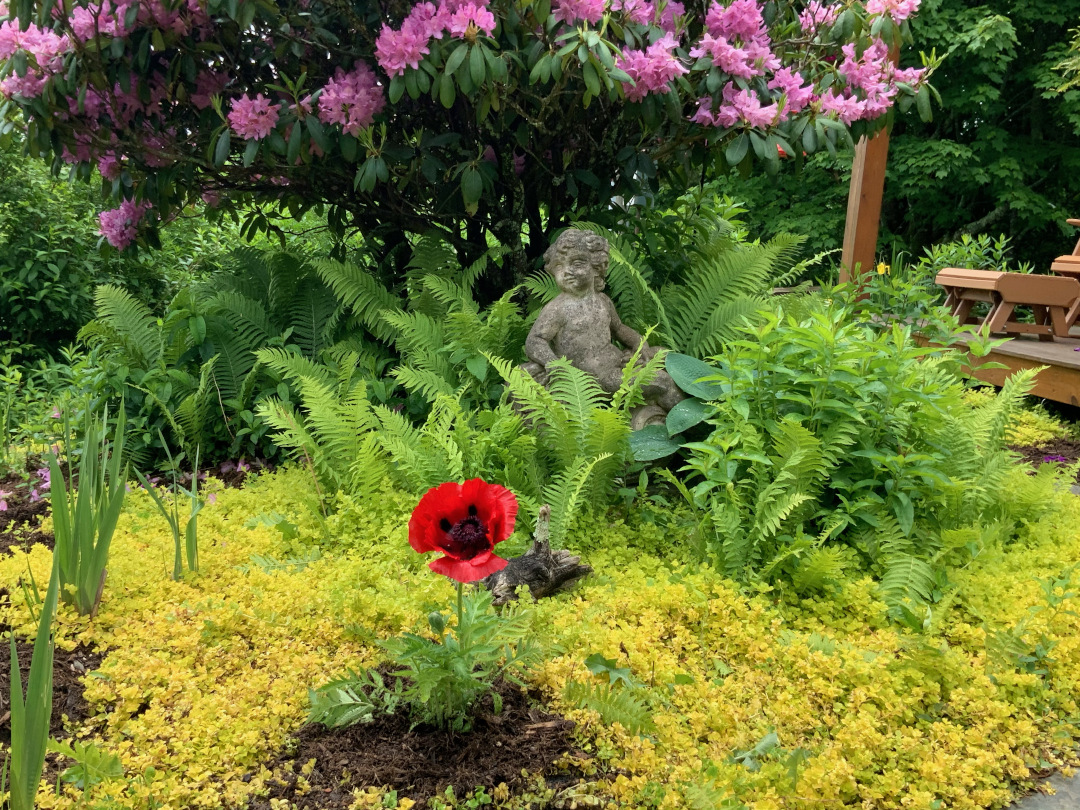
466 538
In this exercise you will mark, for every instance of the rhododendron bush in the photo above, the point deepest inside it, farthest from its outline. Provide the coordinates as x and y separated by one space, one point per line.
474 117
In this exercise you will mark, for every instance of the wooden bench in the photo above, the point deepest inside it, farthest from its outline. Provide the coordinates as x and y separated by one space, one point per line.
1069 265
1053 300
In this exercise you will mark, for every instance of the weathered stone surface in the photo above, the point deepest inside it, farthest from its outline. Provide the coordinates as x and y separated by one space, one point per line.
581 323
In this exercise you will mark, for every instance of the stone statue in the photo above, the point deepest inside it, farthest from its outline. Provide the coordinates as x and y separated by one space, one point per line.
580 322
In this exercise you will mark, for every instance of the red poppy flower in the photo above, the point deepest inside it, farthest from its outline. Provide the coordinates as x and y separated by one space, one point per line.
464 522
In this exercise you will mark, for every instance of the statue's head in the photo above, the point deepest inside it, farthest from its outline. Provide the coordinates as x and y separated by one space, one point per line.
579 261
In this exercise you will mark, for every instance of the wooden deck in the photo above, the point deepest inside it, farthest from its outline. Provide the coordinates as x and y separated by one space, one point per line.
1060 381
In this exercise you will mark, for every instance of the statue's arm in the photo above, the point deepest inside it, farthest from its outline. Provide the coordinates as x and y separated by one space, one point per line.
623 333
544 330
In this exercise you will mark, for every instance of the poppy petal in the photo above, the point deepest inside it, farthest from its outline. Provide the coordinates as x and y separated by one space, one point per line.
496 507
443 501
465 570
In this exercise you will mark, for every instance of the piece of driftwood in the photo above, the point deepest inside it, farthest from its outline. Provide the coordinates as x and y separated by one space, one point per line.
544 571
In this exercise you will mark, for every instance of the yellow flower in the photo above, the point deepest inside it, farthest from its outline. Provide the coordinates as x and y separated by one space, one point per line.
882 268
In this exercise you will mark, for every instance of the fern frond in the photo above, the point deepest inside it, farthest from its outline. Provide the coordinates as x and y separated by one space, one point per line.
565 493
127 323
361 292
613 704
906 578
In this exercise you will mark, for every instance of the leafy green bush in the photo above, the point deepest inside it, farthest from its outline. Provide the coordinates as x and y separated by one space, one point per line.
193 373
827 430
441 679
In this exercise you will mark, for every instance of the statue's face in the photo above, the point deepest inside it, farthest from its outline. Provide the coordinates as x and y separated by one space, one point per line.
574 273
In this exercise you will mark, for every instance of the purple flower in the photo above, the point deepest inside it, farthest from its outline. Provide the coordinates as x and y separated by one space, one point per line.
253 118
34 495
43 474
3 501
228 466
1060 459
55 413
242 466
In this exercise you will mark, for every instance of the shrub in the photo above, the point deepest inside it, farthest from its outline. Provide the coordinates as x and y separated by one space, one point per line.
825 430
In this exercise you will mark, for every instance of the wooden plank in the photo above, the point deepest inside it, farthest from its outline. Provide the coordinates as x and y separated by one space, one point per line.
1021 288
864 206
1053 382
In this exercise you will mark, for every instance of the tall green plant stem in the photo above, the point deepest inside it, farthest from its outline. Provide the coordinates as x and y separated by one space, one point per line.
171 513
30 714
84 522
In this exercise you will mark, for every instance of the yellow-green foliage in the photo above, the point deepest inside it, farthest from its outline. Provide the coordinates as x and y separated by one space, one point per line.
1030 426
204 679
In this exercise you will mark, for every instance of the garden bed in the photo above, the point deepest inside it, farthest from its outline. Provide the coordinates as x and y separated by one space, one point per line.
1063 450
324 766
767 699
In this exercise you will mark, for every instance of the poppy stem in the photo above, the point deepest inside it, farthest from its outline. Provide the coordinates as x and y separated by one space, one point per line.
460 617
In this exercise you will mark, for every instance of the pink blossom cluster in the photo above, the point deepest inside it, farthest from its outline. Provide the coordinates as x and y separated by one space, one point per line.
253 118
97 20
46 49
405 47
871 84
818 15
644 12
208 84
796 94
571 11
899 10
737 105
120 225
737 40
351 99
109 18
652 68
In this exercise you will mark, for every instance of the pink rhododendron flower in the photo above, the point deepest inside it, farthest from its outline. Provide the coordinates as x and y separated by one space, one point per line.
818 15
899 10
570 11
652 69
737 105
848 109
397 50
98 20
797 94
253 118
351 99
207 85
641 12
671 10
471 14
45 50
120 225
109 166
737 40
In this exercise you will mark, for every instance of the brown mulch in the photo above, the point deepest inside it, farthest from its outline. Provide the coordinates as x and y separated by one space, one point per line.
422 762
20 521
69 667
1063 451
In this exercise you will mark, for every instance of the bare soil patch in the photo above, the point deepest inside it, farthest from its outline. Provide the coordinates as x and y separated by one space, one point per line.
1062 451
421 762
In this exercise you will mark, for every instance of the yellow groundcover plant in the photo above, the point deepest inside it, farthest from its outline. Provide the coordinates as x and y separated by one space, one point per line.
1029 426
204 679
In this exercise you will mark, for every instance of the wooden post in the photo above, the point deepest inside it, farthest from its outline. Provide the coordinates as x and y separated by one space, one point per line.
864 200
864 206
